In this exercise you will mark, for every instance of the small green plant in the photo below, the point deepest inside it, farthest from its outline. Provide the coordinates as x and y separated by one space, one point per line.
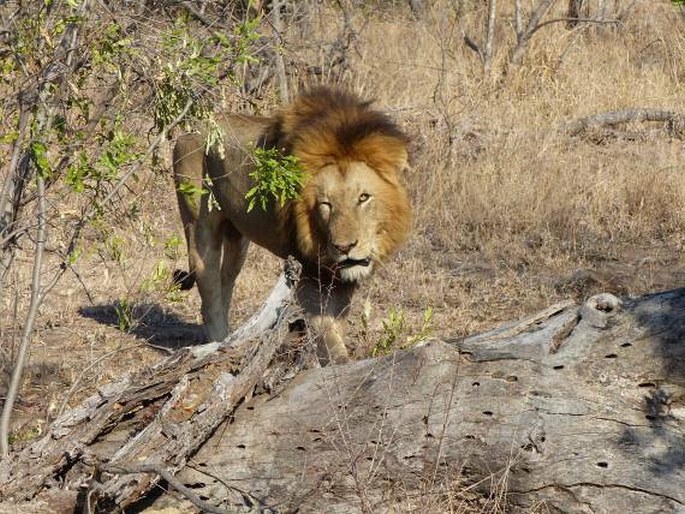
276 177
118 150
124 311
395 331
426 329
172 247
115 248
159 280
393 328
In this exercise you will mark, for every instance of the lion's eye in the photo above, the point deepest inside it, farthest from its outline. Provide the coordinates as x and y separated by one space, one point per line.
364 197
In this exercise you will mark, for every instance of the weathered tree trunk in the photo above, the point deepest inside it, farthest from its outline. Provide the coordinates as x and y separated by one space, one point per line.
576 409
580 409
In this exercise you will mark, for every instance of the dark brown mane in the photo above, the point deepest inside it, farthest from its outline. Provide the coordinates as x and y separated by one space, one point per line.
323 126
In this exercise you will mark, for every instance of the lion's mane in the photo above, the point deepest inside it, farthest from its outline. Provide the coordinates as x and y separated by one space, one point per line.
323 127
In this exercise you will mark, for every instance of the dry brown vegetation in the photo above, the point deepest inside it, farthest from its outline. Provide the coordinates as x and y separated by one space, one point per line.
511 213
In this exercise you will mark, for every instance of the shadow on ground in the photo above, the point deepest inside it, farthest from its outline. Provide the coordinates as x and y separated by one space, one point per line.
148 321
662 318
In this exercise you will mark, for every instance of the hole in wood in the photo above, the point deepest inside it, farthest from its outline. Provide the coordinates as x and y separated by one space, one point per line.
250 407
301 448
469 436
512 378
626 345
558 367
317 440
407 457
603 464
651 385
195 485
476 384
611 356
241 446
487 412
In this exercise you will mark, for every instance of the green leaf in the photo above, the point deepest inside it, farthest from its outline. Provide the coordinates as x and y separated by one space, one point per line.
276 177
40 158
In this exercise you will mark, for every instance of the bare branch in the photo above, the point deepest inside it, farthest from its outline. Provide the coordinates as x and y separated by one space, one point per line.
490 39
36 298
533 22
578 20
675 119
169 479
518 20
474 46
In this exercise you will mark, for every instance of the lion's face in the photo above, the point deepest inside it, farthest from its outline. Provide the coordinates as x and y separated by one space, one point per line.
355 218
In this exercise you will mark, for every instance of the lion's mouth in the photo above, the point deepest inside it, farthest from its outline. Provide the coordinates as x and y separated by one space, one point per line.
349 263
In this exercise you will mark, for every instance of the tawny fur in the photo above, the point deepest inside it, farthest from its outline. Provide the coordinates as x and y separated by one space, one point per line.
351 214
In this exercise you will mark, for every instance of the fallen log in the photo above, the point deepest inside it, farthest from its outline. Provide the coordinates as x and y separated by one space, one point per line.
578 409
574 409
672 120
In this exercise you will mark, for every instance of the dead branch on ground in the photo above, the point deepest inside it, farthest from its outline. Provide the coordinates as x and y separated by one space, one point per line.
164 414
674 121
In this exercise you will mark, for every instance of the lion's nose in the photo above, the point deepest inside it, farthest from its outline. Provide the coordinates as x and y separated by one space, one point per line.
345 248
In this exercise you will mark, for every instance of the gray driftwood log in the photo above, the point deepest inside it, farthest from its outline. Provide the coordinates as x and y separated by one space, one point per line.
578 409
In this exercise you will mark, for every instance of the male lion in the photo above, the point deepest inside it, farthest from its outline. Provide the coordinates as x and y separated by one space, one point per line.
352 211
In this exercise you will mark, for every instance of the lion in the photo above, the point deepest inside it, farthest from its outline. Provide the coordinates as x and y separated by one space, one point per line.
351 214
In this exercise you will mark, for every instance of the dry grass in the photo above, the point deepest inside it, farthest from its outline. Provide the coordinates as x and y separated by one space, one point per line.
507 207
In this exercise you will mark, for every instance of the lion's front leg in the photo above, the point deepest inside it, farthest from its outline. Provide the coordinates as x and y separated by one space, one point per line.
326 309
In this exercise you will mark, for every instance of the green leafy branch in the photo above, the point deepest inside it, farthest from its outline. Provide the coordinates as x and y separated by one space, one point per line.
276 177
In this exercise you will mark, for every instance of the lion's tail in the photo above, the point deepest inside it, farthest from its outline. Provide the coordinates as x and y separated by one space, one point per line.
184 279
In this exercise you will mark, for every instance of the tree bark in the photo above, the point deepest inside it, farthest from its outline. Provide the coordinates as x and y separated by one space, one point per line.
577 408
574 409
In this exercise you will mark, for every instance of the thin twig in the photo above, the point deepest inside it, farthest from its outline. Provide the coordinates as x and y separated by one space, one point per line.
169 479
533 23
36 299
578 20
247 496
71 390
